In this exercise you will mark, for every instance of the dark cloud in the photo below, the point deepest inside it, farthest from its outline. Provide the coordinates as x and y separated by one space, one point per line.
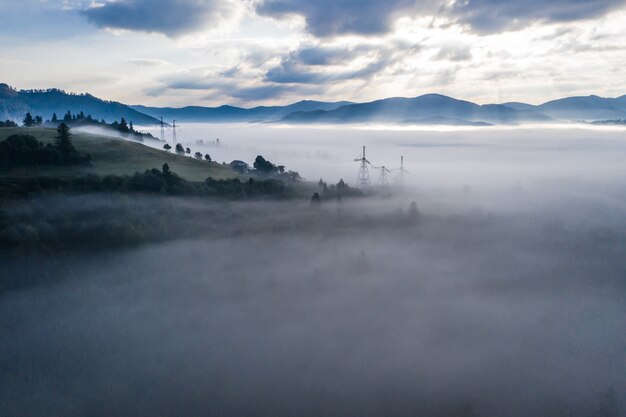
370 17
334 17
322 64
490 16
170 17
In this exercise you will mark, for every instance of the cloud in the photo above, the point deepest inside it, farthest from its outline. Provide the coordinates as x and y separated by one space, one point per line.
491 16
335 17
326 18
328 64
454 53
147 62
170 17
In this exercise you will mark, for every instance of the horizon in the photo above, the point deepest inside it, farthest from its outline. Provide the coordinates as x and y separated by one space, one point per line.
272 52
285 104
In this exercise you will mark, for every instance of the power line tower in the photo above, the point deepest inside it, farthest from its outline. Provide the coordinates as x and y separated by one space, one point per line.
383 176
363 179
402 172
174 132
162 130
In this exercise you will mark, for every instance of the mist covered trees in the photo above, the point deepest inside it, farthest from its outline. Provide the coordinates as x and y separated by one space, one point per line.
28 120
23 149
63 141
263 165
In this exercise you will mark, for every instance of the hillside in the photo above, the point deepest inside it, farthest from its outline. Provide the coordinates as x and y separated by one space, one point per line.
15 104
236 114
429 106
112 156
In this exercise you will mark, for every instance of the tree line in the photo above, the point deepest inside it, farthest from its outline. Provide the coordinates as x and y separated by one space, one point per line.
23 149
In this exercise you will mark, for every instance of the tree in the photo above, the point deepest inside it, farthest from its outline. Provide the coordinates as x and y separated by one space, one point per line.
179 148
167 147
123 126
263 165
54 118
38 120
198 155
207 157
63 141
187 150
315 199
67 117
132 129
166 169
28 120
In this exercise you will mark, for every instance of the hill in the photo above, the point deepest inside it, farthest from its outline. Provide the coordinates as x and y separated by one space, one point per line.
236 114
585 108
112 156
14 104
426 107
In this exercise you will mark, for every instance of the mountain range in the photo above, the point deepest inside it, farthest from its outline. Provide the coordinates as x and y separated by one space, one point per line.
14 104
426 109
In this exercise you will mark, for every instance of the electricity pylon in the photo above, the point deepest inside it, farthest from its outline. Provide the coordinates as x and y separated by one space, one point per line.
162 130
174 132
363 179
402 171
383 176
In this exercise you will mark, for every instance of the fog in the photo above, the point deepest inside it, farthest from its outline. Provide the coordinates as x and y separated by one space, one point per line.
503 297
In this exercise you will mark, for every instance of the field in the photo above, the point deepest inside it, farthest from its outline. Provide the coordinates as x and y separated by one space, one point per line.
113 156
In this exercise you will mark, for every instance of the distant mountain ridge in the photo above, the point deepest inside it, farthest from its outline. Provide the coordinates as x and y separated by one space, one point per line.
428 106
426 109
227 113
14 104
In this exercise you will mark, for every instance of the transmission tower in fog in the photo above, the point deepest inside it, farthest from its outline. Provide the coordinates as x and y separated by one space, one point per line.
383 176
402 171
363 179
174 132
162 130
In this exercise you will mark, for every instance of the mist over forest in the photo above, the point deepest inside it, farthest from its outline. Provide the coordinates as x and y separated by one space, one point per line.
501 294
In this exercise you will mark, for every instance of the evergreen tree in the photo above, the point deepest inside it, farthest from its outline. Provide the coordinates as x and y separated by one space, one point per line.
38 120
63 141
28 120
67 117
123 126
54 118
132 129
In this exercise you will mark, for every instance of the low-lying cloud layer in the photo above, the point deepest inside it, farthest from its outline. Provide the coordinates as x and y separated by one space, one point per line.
504 296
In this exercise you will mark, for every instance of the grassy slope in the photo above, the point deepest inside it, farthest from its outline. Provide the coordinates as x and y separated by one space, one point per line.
114 156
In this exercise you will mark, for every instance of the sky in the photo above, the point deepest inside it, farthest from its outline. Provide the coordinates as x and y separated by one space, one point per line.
265 52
